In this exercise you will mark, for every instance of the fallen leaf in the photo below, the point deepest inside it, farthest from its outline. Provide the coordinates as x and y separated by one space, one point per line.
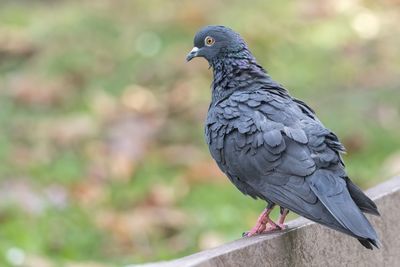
182 154
128 228
15 43
39 92
139 99
205 171
128 138
89 193
34 200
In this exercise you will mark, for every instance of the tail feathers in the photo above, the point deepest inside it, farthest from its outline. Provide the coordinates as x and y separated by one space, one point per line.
363 202
369 242
334 195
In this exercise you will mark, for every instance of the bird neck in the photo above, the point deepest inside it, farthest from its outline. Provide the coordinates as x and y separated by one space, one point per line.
240 72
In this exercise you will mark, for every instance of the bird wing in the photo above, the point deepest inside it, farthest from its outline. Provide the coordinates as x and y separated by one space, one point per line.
274 148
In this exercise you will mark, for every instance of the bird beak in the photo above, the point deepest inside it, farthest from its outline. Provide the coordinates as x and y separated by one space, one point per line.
192 54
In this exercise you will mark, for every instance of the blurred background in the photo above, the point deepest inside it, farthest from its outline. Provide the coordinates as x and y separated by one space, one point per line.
103 159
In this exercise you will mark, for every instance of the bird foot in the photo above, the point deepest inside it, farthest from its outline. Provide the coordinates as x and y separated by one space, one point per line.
265 229
258 229
282 226
261 224
272 227
253 232
268 228
266 225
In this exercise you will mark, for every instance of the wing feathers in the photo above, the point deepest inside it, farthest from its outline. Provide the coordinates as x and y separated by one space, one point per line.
276 149
333 193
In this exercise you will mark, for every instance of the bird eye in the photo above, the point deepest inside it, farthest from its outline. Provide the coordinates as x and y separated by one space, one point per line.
209 41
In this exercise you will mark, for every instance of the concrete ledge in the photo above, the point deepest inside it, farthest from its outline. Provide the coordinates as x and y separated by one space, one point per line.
308 244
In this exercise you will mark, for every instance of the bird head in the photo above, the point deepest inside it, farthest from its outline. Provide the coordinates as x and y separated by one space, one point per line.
213 42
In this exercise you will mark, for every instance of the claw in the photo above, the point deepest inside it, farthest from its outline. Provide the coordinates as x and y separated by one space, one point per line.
261 224
282 226
266 225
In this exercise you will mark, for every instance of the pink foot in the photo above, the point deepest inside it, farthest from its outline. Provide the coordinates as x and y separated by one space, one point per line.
284 212
282 226
274 227
258 228
261 224
266 225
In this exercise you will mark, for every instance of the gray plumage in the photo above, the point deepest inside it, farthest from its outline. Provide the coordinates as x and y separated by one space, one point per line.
272 146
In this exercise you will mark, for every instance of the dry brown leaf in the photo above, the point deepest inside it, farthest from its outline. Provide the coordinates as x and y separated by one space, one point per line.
24 194
34 91
89 193
66 131
191 14
181 96
136 225
15 44
128 139
103 104
139 99
184 154
165 195
205 171
354 142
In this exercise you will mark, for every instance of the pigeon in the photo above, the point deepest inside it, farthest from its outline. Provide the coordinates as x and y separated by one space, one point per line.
273 147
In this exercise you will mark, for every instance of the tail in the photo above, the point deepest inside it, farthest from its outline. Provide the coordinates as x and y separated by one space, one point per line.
363 202
367 243
332 191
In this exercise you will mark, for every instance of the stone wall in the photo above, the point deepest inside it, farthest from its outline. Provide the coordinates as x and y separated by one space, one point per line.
305 243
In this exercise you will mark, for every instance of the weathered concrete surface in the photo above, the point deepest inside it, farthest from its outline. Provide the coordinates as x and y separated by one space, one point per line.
308 244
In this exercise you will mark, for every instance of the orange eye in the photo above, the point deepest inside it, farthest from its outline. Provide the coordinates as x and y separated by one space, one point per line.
209 41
